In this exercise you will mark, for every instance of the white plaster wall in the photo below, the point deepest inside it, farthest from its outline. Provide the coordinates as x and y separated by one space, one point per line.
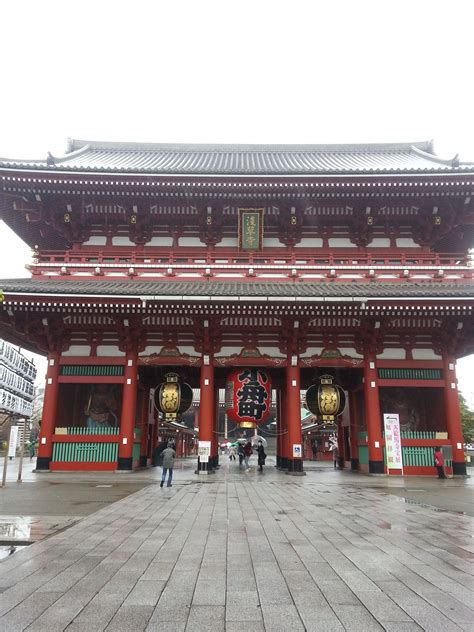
150 349
310 242
110 350
162 240
272 242
228 242
77 350
406 242
350 351
190 241
271 275
379 242
312 276
392 354
311 351
340 242
96 240
122 241
273 352
189 274
228 351
425 354
189 350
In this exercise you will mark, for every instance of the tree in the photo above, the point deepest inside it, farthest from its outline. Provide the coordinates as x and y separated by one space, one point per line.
467 420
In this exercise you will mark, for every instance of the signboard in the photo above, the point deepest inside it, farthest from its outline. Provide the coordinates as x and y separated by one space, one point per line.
204 451
13 441
393 442
250 228
297 450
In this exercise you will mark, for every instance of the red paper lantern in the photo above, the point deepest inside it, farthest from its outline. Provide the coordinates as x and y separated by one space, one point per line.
248 397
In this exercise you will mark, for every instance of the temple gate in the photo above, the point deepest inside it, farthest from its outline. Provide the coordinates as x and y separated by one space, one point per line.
300 261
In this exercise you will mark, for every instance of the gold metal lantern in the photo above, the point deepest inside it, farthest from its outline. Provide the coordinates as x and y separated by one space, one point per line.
325 400
173 397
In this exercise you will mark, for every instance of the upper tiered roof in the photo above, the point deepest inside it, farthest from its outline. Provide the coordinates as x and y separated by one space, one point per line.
250 160
204 290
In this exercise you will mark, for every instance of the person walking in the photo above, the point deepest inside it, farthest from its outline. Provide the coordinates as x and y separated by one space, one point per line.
335 455
439 462
247 454
314 449
32 449
169 456
261 456
241 454
232 453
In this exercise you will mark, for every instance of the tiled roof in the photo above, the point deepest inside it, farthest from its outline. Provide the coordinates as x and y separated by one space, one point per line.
233 160
205 289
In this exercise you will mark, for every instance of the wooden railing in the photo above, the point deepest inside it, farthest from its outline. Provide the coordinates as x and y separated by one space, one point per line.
205 263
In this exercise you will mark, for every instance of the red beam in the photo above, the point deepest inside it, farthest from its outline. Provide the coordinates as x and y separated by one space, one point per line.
58 466
87 438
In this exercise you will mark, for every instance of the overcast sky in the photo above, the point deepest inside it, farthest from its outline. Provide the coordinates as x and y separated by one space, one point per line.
237 71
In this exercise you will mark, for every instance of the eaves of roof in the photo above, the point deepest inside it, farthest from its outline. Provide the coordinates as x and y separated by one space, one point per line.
226 291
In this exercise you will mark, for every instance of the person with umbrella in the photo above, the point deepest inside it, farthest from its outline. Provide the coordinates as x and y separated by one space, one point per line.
261 456
247 454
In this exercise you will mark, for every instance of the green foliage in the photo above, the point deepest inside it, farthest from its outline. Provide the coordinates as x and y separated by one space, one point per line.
467 420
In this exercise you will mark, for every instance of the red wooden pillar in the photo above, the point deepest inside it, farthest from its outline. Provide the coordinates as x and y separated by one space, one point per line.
278 427
206 412
127 418
283 429
340 444
354 428
215 431
196 430
50 406
293 410
372 415
453 415
154 435
178 445
145 398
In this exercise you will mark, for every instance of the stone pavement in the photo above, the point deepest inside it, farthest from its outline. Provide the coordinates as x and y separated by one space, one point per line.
248 551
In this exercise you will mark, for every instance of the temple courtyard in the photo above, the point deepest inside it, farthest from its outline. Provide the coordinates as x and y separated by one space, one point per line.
236 550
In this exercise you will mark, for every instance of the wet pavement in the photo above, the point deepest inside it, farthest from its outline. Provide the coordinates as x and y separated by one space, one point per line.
242 550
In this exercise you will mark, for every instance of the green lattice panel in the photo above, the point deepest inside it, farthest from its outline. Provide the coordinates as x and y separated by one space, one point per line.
410 374
363 454
85 452
79 430
418 456
91 370
415 434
